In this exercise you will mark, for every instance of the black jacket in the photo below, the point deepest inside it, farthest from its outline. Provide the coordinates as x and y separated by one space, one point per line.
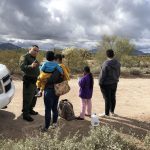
110 72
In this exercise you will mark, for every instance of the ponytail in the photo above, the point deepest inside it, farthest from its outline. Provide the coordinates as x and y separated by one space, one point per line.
87 70
91 81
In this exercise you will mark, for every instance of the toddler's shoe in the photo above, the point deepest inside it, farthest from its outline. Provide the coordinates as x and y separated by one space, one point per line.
39 94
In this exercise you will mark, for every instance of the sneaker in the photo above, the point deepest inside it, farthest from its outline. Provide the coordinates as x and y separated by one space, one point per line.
113 114
28 118
54 125
32 112
39 94
79 118
103 115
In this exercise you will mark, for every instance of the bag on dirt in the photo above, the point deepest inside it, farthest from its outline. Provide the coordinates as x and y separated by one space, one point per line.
65 109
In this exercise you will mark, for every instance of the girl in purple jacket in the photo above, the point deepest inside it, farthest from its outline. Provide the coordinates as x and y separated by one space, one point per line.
86 90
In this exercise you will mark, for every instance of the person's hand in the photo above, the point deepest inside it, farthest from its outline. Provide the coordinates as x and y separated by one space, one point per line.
33 65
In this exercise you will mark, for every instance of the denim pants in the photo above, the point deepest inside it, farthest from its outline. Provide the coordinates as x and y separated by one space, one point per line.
51 103
109 94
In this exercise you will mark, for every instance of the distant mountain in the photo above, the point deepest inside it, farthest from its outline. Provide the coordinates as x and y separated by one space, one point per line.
94 50
8 46
138 53
135 52
145 50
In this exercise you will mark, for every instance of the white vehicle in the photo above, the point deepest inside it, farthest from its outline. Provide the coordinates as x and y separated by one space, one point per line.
7 88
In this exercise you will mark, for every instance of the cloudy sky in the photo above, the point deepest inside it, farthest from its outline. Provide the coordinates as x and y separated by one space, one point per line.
79 23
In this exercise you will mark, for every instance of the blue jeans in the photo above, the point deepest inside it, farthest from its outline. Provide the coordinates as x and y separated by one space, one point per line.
51 103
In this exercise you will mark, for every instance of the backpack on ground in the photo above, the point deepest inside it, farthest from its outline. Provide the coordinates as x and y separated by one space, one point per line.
65 109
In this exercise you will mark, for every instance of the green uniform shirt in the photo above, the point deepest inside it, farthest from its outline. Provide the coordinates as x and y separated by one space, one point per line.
25 65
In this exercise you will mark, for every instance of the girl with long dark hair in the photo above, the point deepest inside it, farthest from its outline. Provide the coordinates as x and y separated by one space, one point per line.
85 93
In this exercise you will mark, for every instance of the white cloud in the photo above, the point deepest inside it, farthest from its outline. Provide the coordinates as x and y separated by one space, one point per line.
65 22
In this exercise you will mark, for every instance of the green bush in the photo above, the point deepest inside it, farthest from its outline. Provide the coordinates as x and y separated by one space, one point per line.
135 72
76 59
125 72
106 139
121 46
100 138
147 141
10 58
130 61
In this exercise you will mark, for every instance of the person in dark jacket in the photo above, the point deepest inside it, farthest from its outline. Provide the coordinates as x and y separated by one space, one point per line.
85 93
50 98
108 80
30 68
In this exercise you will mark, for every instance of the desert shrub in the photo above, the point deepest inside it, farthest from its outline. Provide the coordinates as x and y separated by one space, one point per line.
102 138
125 72
95 70
130 61
146 70
107 139
121 46
147 141
10 58
76 59
135 71
135 61
94 66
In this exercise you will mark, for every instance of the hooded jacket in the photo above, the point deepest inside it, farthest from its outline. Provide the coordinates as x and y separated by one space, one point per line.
110 72
85 91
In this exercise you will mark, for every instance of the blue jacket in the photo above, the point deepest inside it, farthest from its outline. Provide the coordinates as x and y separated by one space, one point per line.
50 66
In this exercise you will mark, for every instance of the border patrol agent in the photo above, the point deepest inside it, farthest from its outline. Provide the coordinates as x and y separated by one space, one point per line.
30 68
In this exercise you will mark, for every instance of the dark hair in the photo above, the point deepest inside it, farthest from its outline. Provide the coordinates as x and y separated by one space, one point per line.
87 70
35 46
110 53
59 57
50 55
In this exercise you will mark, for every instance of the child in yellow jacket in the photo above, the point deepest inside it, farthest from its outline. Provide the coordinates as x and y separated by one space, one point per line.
47 69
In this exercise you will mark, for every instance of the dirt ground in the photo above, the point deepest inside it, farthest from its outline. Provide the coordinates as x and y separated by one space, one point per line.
133 109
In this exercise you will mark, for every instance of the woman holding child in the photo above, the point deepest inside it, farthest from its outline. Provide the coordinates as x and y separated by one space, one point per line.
50 98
